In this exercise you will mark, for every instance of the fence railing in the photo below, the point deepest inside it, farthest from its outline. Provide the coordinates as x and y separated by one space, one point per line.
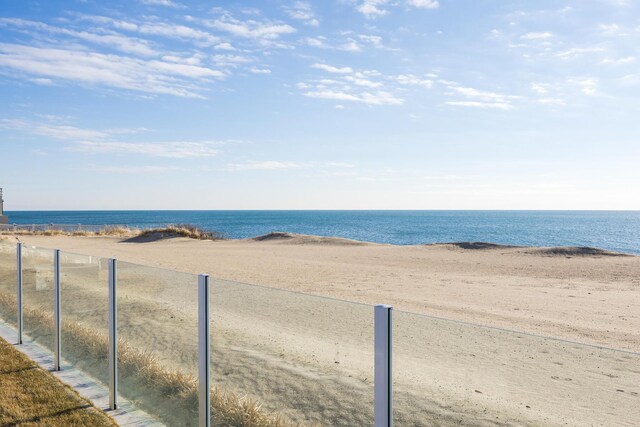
197 350
68 228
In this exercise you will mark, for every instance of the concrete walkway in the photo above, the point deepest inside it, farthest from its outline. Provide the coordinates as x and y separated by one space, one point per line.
126 415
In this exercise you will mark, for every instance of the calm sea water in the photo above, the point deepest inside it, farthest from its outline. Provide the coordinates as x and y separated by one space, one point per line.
613 230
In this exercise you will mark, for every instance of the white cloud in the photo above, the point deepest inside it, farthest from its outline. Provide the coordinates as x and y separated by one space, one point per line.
167 3
578 51
150 76
56 131
43 82
255 70
176 150
265 165
551 101
136 169
359 81
478 98
424 4
375 41
540 88
619 61
371 98
275 165
177 32
114 40
303 11
411 80
332 69
251 29
480 104
587 85
315 41
536 36
350 46
372 8
376 8
482 95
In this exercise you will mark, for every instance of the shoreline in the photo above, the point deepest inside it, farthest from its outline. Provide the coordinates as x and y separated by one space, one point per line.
298 238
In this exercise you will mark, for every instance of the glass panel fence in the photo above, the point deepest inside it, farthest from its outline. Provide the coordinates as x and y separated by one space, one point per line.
84 311
158 341
300 358
37 295
8 282
450 373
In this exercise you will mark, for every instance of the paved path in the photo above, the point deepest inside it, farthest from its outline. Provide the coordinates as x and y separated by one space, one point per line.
126 415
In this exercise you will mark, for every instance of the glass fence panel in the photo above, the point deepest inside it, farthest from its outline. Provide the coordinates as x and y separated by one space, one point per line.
37 295
8 282
158 347
450 373
84 308
306 359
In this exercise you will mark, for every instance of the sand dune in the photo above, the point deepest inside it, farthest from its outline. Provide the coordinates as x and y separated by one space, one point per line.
305 239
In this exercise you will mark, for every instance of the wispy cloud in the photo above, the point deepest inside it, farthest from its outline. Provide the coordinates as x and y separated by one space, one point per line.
371 98
478 98
176 150
377 8
480 104
113 40
372 8
150 76
166 3
255 70
536 36
276 165
302 11
250 29
332 69
56 131
587 85
424 4
579 51
135 169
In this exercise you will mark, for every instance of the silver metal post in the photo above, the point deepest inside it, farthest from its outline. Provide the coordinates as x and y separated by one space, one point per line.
113 335
204 356
57 345
19 296
383 396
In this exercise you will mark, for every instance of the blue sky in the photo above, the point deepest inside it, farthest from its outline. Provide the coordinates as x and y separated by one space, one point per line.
333 104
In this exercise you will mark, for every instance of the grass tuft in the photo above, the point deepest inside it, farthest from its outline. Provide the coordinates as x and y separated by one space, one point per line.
173 230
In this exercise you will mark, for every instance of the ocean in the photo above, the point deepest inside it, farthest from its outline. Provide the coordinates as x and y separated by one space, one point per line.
612 230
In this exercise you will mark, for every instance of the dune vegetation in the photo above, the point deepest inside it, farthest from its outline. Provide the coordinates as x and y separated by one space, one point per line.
169 231
172 396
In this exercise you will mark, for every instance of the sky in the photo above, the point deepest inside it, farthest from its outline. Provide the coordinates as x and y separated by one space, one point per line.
326 104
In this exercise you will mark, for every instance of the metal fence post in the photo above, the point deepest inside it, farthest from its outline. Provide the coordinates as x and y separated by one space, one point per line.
113 335
19 291
204 398
383 396
57 345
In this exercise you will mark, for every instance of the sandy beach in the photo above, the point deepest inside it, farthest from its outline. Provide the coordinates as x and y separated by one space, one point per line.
311 359
588 298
